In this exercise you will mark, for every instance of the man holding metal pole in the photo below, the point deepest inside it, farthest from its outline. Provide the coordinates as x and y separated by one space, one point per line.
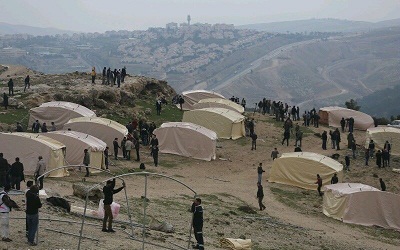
109 192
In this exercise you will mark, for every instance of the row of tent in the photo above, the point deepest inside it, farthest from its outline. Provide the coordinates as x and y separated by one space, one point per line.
349 202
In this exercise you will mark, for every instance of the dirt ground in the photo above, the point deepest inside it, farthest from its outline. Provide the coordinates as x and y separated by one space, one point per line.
293 218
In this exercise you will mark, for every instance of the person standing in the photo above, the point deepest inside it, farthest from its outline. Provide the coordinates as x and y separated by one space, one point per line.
385 158
5 101
342 124
137 146
371 148
10 87
333 139
334 179
86 160
103 79
260 171
116 147
158 107
123 147
366 156
181 101
260 196
93 75
383 185
3 170
347 162
350 140
378 156
286 136
36 126
351 124
128 148
254 141
354 148
108 75
40 170
154 153
319 183
123 74
251 126
32 213
299 138
274 154
109 191
17 174
324 138
197 211
118 79
337 138
388 148
106 157
27 82
5 207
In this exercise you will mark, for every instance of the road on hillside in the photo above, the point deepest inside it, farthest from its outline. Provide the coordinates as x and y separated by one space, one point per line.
255 64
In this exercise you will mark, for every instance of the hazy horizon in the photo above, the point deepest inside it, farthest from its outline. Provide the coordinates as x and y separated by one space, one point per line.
101 15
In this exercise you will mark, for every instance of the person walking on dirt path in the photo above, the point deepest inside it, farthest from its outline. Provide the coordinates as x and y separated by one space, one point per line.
109 191
197 211
116 147
260 196
10 87
319 183
5 100
93 75
274 154
347 163
86 160
254 141
260 171
27 82
40 170
32 213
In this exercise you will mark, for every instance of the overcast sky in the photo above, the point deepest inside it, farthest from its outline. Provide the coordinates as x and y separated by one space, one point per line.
102 15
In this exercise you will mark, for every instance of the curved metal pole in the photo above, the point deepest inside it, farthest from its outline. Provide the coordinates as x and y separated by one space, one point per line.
144 211
146 174
83 220
129 209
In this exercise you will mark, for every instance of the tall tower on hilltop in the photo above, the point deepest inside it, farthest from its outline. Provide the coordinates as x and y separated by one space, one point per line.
188 19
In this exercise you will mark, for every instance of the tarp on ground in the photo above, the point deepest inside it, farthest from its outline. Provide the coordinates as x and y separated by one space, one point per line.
226 123
192 97
28 147
219 103
361 204
76 142
187 139
333 115
300 169
58 112
382 134
102 128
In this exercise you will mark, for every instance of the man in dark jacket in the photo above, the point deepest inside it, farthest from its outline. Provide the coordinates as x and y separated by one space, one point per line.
197 211
378 156
4 166
342 124
324 138
260 196
319 183
260 171
5 100
10 87
109 191
383 185
17 174
32 213
27 83
334 179
86 160
116 147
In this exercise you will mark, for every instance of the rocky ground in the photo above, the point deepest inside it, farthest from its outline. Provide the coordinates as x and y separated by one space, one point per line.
293 218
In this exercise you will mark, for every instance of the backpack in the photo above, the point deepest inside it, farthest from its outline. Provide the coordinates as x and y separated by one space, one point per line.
8 202
142 166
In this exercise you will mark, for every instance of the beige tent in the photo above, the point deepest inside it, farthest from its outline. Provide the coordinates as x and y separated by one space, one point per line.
219 103
332 115
102 128
58 112
362 204
187 139
76 142
226 123
382 134
194 96
300 169
28 147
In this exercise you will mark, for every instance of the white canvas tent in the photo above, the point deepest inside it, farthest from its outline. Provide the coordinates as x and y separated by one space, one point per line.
361 204
28 147
76 142
332 115
194 96
300 169
58 112
187 139
219 103
226 123
382 134
101 128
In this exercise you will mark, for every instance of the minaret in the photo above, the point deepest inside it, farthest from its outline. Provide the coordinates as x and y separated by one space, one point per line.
188 19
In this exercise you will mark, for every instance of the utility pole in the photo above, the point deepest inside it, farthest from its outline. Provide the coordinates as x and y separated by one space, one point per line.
188 19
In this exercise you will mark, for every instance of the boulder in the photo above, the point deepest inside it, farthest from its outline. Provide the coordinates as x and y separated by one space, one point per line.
80 189
12 102
100 103
127 98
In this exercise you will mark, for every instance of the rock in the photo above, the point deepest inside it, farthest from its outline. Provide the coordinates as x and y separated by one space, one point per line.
147 111
100 103
12 102
127 98
108 95
20 105
80 191
161 226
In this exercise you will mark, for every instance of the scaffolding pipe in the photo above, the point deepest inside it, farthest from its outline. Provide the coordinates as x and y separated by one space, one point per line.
72 234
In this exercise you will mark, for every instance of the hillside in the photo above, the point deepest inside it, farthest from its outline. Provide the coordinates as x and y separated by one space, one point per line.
325 72
10 29
382 103
292 219
320 25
